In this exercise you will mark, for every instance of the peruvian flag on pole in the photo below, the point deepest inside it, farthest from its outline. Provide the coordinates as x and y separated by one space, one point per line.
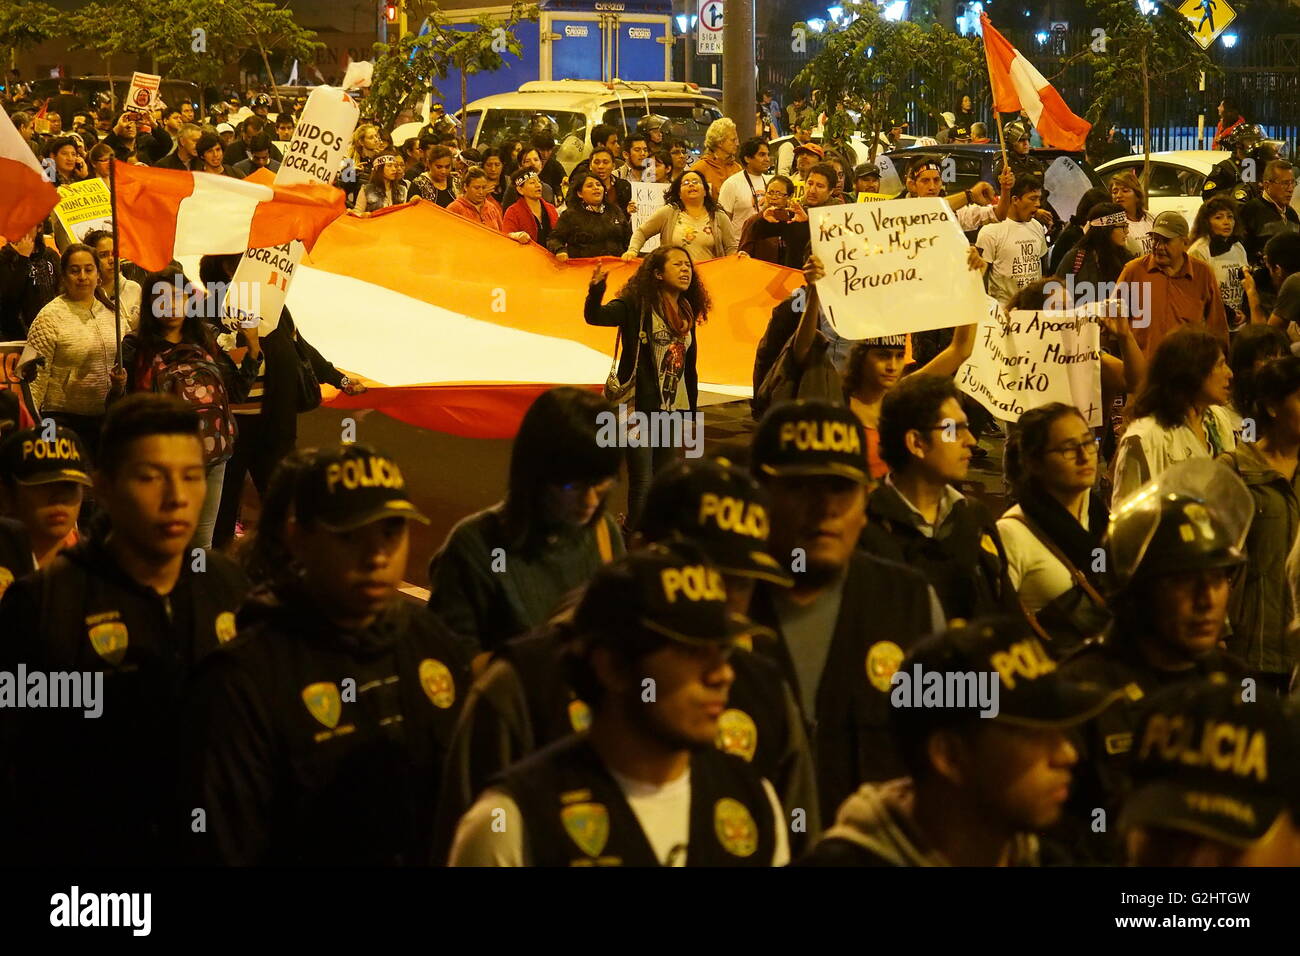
1017 85
26 196
165 213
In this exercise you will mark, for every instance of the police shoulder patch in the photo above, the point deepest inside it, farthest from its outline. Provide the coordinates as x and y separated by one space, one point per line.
437 682
579 715
587 825
225 626
735 827
1119 743
109 639
737 734
323 703
883 659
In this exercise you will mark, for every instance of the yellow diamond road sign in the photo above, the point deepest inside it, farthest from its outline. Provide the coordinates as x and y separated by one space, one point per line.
1209 18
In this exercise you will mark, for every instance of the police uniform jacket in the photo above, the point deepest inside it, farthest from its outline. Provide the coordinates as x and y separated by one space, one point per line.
523 701
308 745
95 790
1115 662
575 813
964 561
885 609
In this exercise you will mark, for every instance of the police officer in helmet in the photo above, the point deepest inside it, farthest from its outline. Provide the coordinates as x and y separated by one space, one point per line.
1018 157
645 785
1174 545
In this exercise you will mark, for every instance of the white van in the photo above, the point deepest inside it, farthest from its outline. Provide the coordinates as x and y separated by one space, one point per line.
574 107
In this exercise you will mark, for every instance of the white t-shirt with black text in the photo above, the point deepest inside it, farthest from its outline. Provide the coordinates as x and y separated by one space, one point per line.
1014 251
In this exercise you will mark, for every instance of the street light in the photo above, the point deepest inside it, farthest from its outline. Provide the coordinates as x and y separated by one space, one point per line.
1230 40
817 25
835 13
1147 7
894 11
1041 37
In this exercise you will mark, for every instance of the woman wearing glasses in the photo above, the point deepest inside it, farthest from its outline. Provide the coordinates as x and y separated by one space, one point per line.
768 235
1053 534
502 571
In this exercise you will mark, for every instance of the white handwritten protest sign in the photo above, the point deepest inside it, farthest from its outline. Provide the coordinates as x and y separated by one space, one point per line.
261 283
1025 359
896 266
1066 183
648 198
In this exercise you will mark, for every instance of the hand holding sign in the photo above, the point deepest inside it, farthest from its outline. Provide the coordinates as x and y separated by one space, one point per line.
879 256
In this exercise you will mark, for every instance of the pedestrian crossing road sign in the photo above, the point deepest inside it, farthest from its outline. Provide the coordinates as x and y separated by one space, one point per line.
1209 18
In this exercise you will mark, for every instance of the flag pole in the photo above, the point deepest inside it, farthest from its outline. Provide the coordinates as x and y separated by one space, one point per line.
988 65
117 263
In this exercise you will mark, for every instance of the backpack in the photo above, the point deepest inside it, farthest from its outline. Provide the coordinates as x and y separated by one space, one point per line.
188 372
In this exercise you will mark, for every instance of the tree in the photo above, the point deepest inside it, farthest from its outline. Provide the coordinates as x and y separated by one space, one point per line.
882 66
111 32
405 71
1142 47
25 25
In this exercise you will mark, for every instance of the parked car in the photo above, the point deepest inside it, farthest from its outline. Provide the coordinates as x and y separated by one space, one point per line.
571 108
1177 178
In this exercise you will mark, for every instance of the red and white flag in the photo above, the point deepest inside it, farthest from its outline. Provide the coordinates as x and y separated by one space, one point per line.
26 196
165 213
1018 85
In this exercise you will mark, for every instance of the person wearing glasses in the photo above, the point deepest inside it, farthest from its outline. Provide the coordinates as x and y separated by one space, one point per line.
502 571
917 517
1270 213
767 235
1053 533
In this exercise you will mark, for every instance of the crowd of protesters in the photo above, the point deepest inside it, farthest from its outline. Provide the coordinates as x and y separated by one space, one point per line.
718 675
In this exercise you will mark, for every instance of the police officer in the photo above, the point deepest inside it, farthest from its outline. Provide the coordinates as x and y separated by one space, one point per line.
260 105
318 735
131 609
849 618
1018 157
524 701
982 716
1173 546
41 486
1217 780
644 784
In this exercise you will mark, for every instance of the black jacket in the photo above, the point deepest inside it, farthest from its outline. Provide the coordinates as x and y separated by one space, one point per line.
634 335
885 609
553 175
173 161
27 284
99 791
584 234
311 746
1106 742
965 561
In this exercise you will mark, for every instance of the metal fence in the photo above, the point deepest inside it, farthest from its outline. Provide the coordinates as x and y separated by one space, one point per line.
1263 77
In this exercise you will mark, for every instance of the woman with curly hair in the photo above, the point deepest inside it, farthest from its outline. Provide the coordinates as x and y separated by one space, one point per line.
688 218
655 313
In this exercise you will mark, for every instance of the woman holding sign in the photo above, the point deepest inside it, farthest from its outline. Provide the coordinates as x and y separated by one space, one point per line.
689 218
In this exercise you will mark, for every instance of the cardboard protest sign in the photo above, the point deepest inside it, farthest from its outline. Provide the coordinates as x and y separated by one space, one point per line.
82 207
873 197
143 94
1024 359
648 198
258 289
894 266
10 352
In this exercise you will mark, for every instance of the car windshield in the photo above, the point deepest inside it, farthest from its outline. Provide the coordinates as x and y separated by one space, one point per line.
500 126
682 123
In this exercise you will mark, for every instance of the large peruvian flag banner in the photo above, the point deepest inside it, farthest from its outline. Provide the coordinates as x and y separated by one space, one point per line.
164 213
1017 86
26 196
